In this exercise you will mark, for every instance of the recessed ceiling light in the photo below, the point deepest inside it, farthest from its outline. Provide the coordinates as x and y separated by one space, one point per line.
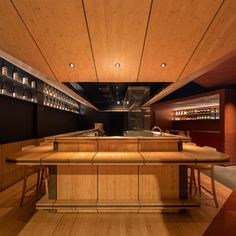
71 65
163 65
117 65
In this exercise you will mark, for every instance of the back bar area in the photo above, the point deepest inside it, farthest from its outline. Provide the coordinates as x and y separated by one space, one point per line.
117 118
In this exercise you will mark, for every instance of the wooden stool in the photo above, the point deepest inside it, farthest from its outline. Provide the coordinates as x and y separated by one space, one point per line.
200 167
40 177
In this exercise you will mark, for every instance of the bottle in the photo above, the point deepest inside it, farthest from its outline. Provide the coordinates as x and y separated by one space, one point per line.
14 92
24 95
4 71
15 76
3 90
25 80
33 84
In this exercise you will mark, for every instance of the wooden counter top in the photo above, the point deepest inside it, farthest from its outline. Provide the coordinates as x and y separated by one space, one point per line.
191 154
117 157
166 157
204 155
68 158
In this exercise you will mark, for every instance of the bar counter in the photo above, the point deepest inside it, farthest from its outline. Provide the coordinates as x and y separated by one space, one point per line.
133 174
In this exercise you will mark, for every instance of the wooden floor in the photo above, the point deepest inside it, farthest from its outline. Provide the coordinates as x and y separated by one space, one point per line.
16 220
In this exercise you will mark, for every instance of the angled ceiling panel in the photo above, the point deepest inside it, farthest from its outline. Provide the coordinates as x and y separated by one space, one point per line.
117 30
16 40
59 29
175 29
219 40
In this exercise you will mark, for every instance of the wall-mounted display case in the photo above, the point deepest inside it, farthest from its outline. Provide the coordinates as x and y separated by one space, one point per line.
57 99
19 84
201 108
197 113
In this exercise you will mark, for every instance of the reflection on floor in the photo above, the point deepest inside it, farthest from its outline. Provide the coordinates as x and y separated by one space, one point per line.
26 220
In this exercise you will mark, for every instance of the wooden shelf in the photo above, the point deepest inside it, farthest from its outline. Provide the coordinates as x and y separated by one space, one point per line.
124 205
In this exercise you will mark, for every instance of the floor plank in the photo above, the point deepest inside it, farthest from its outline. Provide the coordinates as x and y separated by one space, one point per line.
27 221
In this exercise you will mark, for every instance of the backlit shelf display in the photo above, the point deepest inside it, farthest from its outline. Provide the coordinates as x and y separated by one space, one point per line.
203 108
56 99
201 113
18 86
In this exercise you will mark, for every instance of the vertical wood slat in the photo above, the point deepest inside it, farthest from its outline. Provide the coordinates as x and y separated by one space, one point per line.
52 182
118 145
76 182
118 183
159 182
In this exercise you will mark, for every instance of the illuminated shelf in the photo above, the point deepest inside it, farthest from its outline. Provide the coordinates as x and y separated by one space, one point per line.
207 113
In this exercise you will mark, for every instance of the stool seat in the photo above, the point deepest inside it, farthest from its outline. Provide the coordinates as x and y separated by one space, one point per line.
198 168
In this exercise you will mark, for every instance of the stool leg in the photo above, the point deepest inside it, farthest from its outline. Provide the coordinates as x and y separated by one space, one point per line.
191 181
24 186
199 181
213 185
38 181
194 180
41 178
46 181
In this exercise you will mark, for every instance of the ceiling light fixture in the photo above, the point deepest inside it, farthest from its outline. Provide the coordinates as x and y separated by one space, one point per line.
117 65
71 65
118 102
163 65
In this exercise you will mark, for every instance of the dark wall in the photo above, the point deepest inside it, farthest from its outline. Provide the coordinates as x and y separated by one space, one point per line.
115 123
21 120
52 121
17 120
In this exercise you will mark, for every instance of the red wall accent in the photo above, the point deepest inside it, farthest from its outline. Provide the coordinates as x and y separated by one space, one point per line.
220 134
230 124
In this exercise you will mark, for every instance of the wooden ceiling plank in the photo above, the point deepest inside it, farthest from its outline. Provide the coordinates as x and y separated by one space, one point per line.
16 40
117 31
59 28
175 29
219 40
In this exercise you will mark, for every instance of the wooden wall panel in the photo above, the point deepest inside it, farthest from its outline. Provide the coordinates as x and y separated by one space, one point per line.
16 41
158 145
89 145
219 40
118 182
158 182
161 116
175 29
230 124
123 145
59 29
117 30
77 182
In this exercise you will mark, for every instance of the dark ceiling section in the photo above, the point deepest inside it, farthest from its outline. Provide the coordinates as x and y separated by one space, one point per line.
187 90
107 96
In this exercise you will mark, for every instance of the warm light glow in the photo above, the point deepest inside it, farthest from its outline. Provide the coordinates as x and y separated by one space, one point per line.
163 65
117 65
71 65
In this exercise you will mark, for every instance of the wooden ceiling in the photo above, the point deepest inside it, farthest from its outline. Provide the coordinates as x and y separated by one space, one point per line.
138 34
